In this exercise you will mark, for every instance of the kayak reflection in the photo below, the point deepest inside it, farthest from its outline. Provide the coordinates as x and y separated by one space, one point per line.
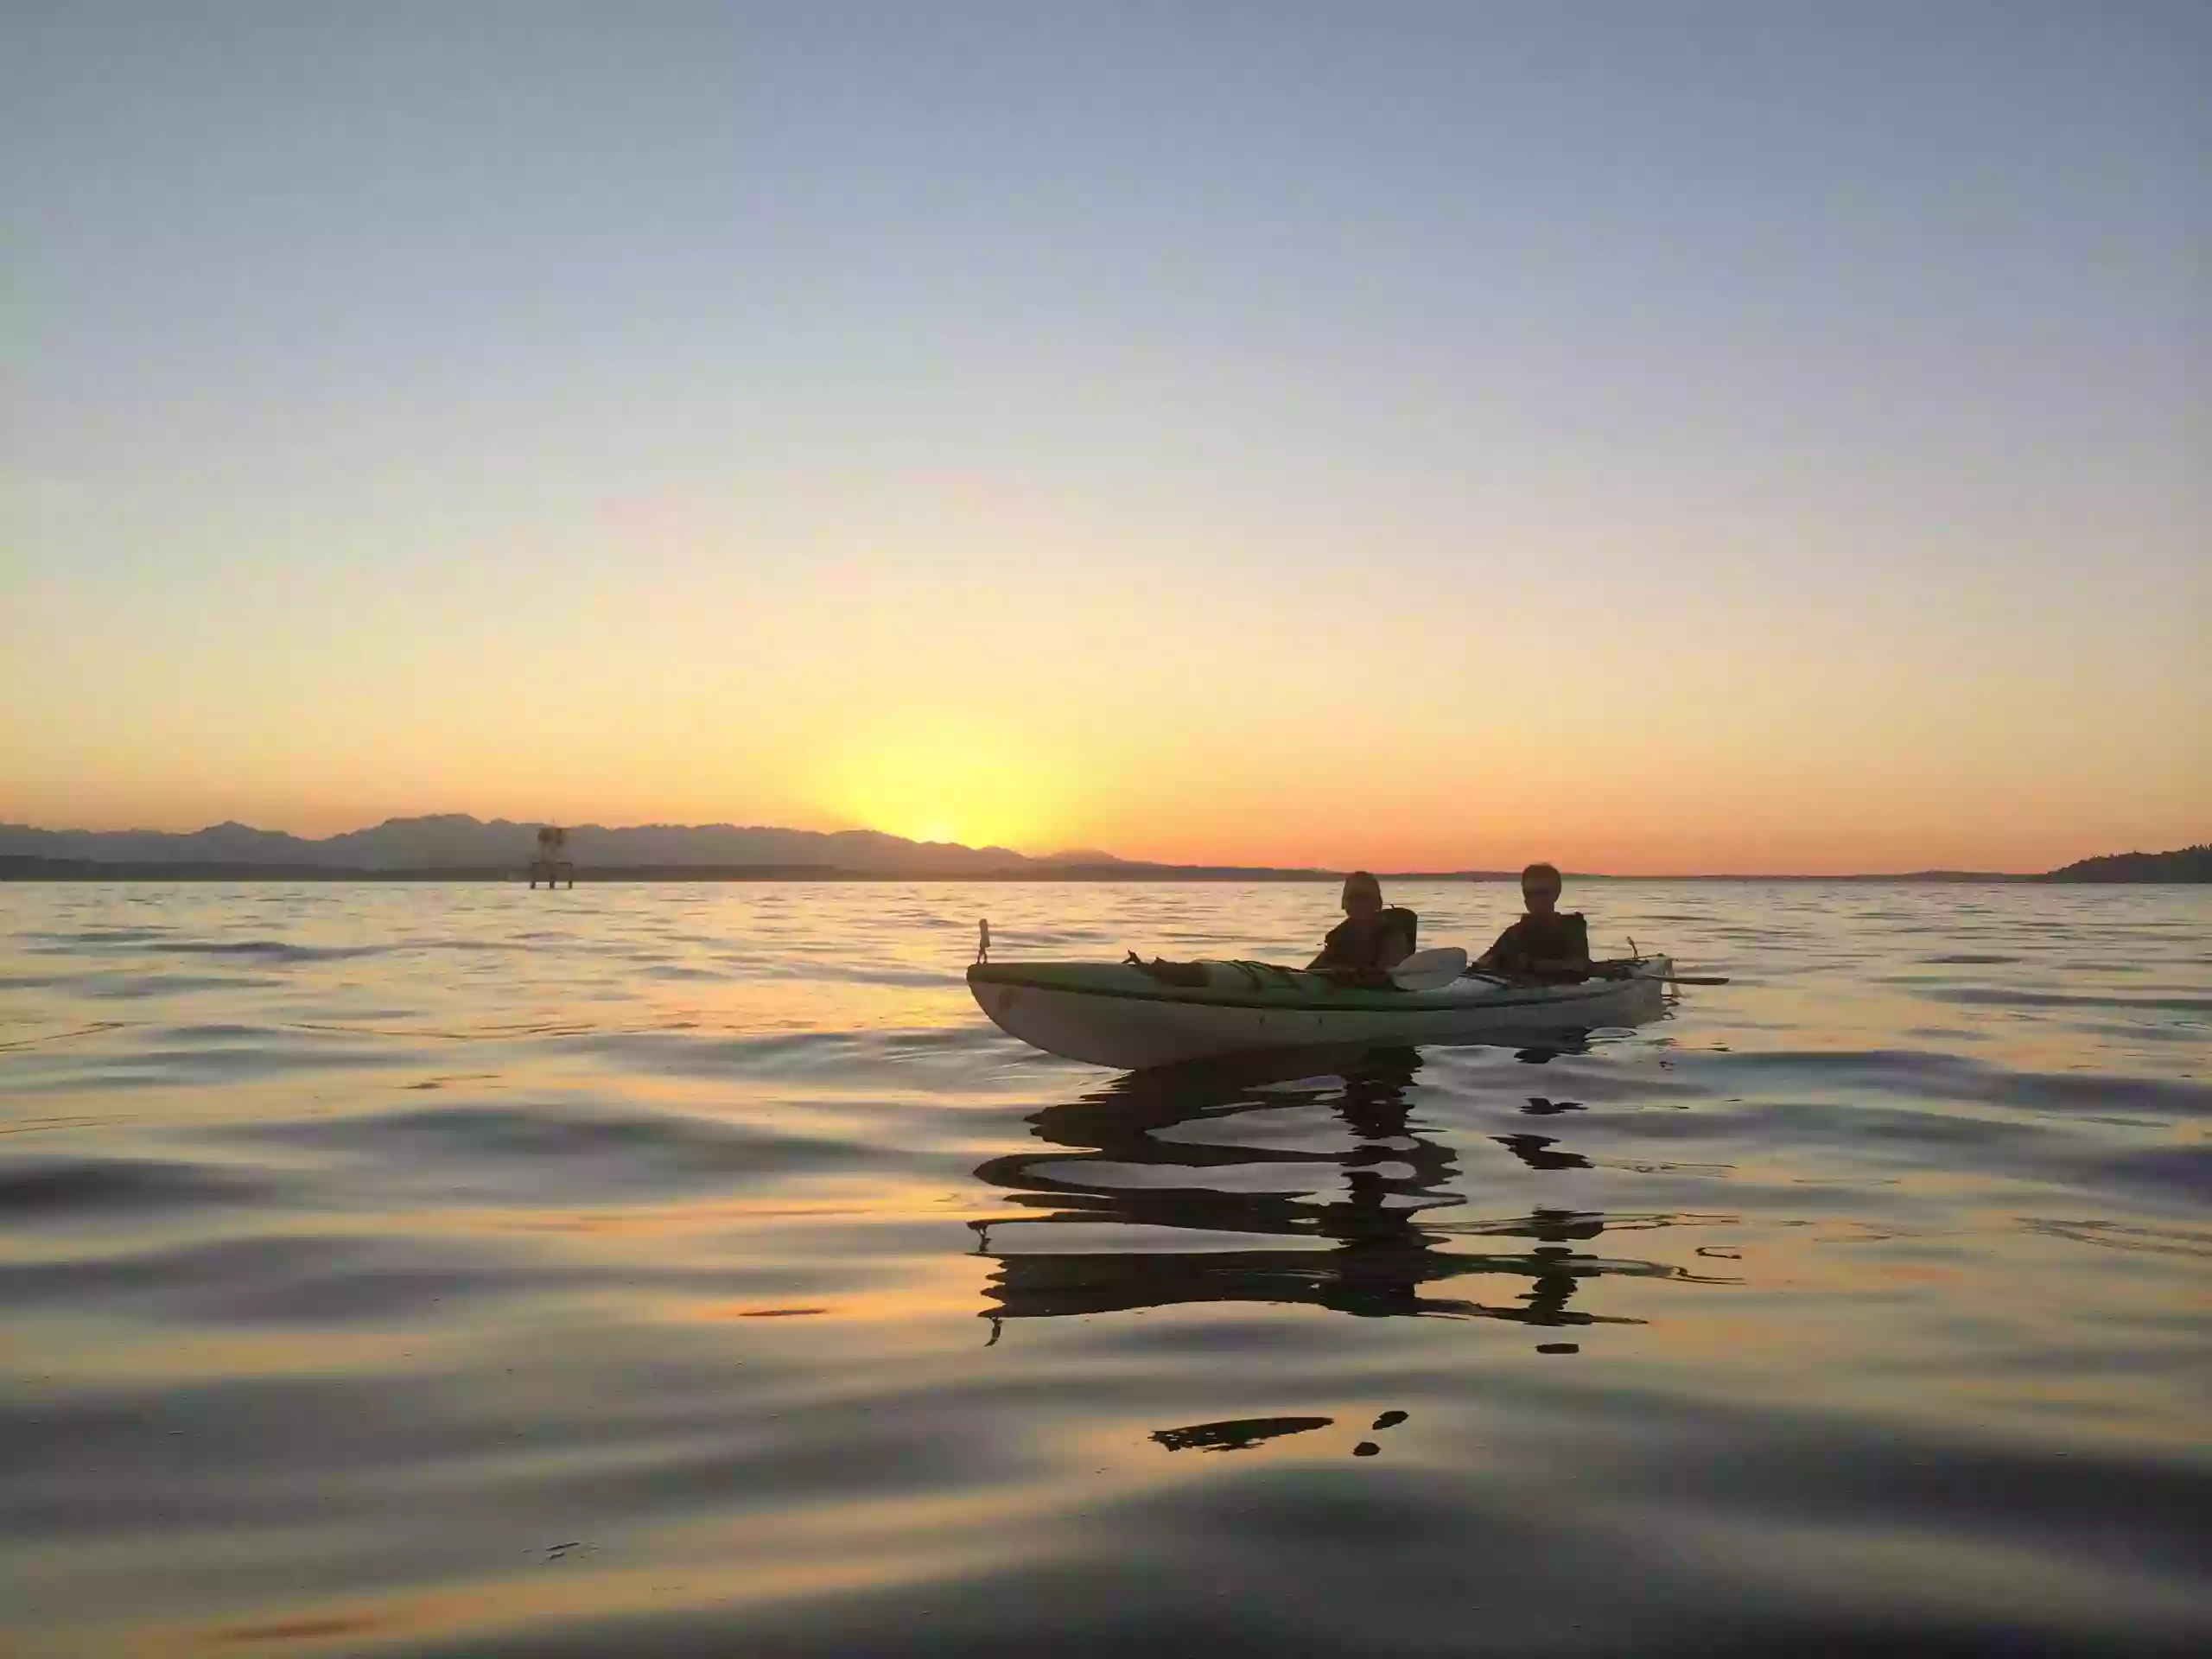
1141 1200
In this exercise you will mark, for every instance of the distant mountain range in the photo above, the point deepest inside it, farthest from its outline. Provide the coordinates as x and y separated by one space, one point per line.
454 841
456 845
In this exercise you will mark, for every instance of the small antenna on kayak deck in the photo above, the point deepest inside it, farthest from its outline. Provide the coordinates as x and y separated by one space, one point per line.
983 939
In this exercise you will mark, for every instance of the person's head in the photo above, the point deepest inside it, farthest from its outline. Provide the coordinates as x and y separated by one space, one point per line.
1363 899
1540 885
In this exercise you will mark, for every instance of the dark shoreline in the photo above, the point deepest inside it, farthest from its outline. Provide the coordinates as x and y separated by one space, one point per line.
55 869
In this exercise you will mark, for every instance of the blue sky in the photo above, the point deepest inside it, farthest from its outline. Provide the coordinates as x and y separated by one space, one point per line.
1819 392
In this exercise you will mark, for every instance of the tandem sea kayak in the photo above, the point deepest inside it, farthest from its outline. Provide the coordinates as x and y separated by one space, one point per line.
1135 1014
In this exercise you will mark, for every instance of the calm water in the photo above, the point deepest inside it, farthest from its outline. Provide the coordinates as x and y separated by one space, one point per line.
669 1269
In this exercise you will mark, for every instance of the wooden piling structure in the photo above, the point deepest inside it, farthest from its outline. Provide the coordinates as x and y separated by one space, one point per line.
548 864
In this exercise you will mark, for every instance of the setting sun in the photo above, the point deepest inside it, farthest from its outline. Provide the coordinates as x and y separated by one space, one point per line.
920 828
946 782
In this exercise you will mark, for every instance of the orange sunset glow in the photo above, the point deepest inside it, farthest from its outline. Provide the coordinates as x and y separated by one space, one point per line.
1823 511
1353 831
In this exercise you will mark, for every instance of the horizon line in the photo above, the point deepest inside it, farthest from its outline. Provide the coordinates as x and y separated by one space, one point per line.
1084 863
34 867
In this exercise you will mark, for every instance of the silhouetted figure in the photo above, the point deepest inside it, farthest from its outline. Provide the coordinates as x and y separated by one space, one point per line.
1371 937
1545 947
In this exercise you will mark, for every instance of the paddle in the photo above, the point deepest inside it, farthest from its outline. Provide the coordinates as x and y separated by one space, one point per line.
1695 979
1430 971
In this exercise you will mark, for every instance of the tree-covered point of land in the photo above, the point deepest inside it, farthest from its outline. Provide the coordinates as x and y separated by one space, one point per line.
2185 864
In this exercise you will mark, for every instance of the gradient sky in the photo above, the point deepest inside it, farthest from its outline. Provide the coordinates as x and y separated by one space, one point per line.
1653 436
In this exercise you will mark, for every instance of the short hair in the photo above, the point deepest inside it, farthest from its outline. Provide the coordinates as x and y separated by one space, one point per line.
1543 872
1364 879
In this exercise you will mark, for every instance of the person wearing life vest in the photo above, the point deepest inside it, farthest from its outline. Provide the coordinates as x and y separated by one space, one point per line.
1546 946
1372 935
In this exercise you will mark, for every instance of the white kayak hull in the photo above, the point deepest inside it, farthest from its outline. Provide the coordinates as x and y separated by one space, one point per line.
1120 1015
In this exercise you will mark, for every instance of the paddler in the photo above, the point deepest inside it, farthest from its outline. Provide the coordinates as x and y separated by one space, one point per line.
1371 937
1546 946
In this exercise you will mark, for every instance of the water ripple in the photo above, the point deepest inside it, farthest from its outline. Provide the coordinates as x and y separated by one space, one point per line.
460 1269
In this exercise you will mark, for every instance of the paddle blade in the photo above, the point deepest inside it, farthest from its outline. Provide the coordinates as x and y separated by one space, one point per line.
1430 971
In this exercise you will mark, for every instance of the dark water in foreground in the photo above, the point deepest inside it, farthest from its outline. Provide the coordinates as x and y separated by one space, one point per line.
462 1270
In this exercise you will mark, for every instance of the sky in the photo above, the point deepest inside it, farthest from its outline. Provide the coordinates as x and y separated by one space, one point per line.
1653 436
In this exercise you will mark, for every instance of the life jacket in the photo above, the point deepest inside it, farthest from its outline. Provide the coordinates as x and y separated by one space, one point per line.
1342 949
1564 934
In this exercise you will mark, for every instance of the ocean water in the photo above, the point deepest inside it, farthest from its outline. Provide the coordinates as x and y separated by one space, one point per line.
671 1269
